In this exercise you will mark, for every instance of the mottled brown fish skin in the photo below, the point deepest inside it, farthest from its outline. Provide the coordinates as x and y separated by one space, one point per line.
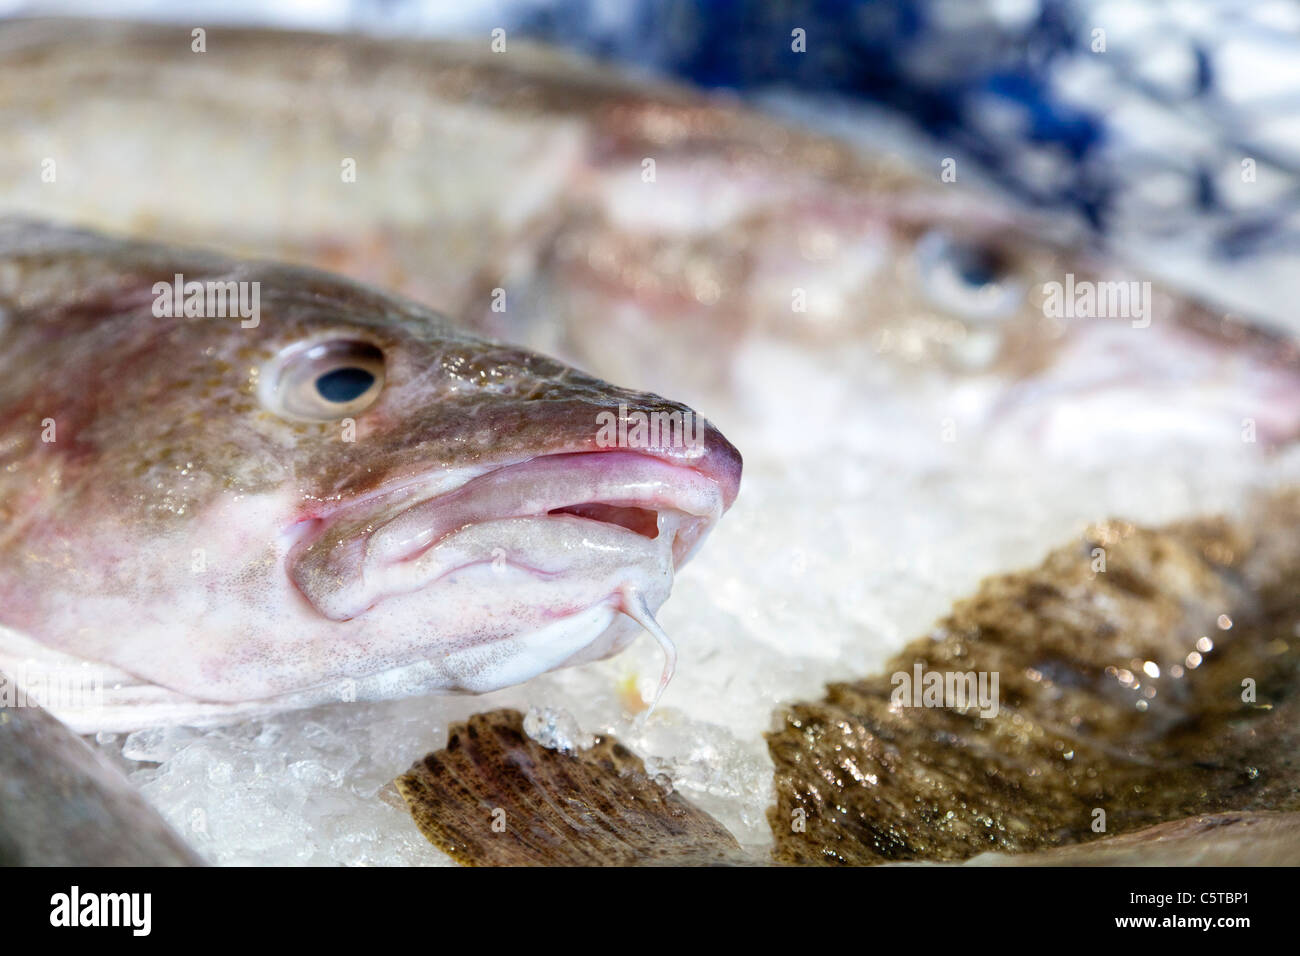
595 807
862 781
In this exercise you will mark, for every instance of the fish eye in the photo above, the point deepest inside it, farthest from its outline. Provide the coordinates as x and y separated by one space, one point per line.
325 381
971 280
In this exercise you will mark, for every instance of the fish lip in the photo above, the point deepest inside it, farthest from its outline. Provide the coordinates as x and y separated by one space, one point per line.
344 565
629 479
716 458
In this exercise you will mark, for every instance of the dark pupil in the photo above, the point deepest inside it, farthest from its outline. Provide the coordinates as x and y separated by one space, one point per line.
977 268
344 384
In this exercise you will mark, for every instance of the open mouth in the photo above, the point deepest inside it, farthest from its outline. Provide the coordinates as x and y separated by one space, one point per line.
555 515
539 554
635 492
642 521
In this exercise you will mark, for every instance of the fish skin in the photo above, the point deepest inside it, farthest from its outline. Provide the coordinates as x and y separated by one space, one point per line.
163 446
1121 689
595 806
63 804
475 171
473 168
522 172
462 155
630 820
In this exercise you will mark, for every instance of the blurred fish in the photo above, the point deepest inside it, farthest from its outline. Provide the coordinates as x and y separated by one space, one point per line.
673 241
62 804
334 494
1264 838
1138 677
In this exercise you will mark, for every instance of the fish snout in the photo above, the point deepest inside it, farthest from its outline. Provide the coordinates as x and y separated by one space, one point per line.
722 462
676 435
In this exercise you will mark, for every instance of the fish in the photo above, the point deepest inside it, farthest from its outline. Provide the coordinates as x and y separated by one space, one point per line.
679 242
1140 676
342 497
1265 838
494 796
924 379
63 804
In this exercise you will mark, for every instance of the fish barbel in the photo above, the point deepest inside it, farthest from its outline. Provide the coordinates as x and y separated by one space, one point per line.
343 495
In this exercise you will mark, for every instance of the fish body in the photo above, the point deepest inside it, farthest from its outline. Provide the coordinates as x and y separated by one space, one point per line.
184 504
63 804
655 236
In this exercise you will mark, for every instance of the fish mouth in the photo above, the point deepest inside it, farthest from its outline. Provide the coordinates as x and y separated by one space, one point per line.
520 547
642 495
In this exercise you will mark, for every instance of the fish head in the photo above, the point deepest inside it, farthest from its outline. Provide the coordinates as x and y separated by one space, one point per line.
747 272
340 486
1050 349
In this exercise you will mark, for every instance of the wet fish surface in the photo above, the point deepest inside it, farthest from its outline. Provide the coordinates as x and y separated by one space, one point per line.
344 498
511 191
834 309
62 804
496 797
1157 685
